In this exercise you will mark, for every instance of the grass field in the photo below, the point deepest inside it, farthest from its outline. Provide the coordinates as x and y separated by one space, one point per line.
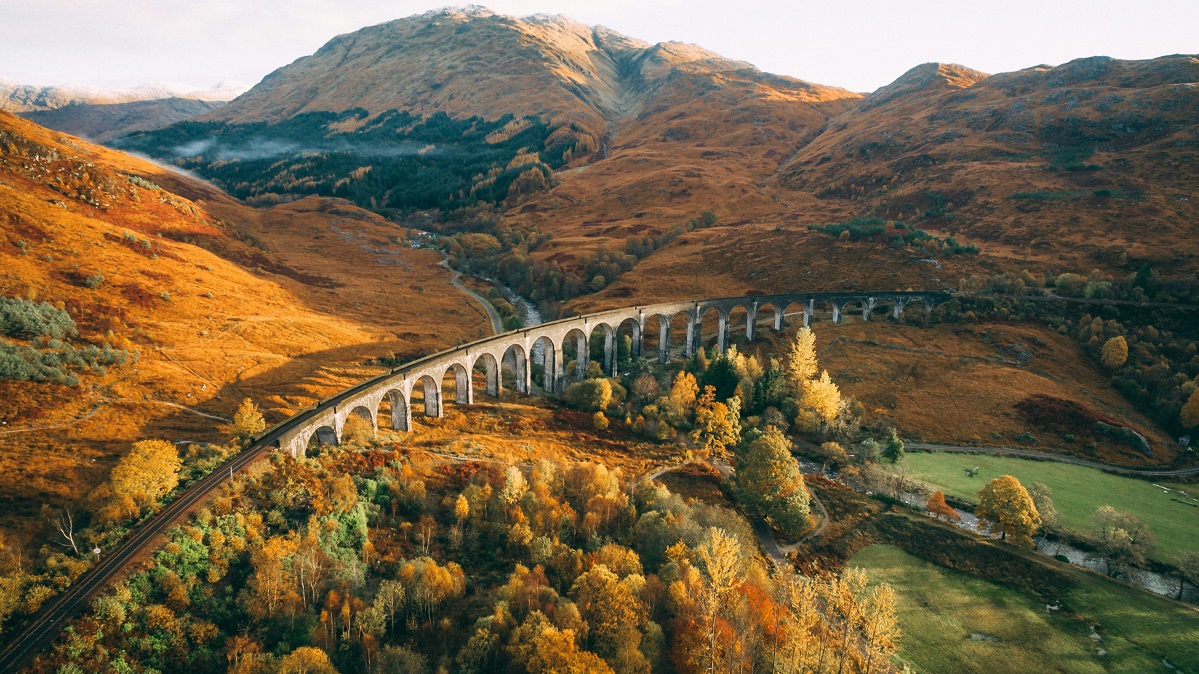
953 622
1077 492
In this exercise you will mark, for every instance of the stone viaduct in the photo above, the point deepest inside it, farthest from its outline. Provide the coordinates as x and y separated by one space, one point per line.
513 350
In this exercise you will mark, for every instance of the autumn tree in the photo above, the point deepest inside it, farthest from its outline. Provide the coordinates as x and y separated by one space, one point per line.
1004 506
272 585
800 362
1042 498
683 394
821 399
938 508
1123 538
1189 415
1115 352
589 395
772 485
717 425
247 422
613 612
306 660
143 476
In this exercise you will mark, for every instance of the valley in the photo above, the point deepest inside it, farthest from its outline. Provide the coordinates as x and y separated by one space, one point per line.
480 343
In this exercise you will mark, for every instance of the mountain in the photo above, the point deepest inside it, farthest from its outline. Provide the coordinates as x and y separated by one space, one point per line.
102 114
603 152
20 98
185 301
103 122
1097 158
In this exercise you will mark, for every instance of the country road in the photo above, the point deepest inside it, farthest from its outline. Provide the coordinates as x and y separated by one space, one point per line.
497 323
1045 456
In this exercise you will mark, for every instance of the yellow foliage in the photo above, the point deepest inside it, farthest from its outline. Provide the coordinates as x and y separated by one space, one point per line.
147 473
1005 506
1115 352
822 398
801 361
1189 416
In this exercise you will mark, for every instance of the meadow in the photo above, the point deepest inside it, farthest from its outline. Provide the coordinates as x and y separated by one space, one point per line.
953 622
1077 492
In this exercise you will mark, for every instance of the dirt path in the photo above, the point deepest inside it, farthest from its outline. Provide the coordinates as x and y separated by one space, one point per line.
497 323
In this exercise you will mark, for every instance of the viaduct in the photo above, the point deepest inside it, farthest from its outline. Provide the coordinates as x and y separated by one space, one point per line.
515 351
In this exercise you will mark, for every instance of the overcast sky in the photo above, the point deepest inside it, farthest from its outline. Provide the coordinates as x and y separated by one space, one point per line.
857 44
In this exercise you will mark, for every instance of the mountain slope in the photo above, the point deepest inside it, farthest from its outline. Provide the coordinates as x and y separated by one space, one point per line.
219 302
103 122
1040 160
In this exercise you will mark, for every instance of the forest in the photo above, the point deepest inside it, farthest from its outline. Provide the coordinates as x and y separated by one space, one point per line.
391 163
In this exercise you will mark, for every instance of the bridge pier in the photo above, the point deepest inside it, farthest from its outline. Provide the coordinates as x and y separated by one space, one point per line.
751 322
836 313
809 309
663 340
867 307
693 328
897 309
610 352
722 332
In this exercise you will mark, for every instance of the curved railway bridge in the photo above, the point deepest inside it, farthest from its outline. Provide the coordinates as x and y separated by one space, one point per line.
515 351
544 344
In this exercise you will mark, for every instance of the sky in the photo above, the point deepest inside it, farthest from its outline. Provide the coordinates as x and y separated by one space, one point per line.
857 44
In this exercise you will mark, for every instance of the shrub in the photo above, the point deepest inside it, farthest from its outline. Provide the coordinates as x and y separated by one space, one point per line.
591 395
599 421
23 319
94 281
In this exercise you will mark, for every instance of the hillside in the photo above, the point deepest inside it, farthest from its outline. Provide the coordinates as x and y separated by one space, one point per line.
595 145
1092 163
210 300
568 94
102 122
102 115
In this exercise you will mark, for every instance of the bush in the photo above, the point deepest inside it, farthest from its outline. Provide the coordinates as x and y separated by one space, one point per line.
592 395
94 281
599 421
23 319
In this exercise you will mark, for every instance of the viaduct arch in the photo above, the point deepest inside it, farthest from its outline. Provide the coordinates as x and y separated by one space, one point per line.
325 421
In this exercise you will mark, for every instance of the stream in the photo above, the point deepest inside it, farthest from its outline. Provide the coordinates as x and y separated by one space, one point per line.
1146 580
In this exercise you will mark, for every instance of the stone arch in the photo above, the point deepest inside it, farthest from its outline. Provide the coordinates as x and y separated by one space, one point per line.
656 333
458 374
543 349
320 437
491 373
683 331
740 319
887 307
514 358
773 312
399 413
823 309
710 323
575 339
626 357
858 306
430 390
362 412
608 345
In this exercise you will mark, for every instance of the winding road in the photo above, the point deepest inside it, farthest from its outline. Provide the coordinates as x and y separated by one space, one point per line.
497 323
